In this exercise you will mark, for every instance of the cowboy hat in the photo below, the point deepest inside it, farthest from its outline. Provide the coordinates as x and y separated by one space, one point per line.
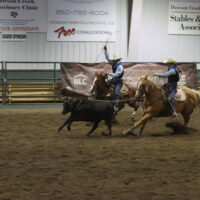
115 57
169 60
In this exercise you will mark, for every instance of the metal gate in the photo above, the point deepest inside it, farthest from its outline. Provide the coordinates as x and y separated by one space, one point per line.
23 84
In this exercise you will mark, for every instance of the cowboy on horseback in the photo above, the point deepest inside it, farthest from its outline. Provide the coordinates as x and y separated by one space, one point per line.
173 77
116 77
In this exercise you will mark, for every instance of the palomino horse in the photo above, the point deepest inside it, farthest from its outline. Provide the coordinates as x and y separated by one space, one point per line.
100 88
157 106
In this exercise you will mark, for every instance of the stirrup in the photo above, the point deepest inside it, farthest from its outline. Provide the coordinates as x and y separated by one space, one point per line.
174 115
116 109
109 95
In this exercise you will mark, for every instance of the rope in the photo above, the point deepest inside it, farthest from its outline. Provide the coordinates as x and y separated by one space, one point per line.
103 100
77 106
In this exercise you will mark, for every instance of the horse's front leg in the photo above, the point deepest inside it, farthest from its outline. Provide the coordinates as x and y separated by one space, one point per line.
133 115
141 122
141 129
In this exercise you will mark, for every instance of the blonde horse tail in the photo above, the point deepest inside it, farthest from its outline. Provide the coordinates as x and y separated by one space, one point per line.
198 99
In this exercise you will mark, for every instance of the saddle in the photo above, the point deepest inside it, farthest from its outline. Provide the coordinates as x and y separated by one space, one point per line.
123 92
179 96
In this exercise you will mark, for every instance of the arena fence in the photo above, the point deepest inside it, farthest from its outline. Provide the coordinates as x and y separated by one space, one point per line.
1 81
27 82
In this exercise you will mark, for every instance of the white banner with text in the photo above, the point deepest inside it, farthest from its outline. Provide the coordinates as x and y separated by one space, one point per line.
81 20
184 18
23 15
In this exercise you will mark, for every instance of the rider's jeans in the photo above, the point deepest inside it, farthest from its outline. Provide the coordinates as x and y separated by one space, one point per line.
172 88
118 85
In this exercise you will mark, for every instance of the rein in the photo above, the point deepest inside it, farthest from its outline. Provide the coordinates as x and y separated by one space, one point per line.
160 97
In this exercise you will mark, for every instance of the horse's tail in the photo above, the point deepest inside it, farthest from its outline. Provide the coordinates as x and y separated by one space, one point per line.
198 95
198 98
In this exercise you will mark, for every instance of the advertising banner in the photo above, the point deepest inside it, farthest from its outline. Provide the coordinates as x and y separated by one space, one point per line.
14 36
184 18
81 20
23 15
77 78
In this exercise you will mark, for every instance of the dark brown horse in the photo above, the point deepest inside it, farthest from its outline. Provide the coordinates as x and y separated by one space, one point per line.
157 106
100 88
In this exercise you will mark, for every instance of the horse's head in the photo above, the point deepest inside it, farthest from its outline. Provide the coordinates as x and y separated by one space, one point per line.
143 87
99 86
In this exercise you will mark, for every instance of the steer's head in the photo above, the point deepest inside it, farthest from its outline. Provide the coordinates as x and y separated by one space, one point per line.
66 106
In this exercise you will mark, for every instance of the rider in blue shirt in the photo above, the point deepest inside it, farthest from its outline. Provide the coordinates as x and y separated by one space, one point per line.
173 77
116 76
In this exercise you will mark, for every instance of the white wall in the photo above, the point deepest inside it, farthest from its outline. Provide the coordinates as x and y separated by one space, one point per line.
37 48
149 39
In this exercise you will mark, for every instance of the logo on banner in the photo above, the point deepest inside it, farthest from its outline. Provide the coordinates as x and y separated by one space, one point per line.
80 79
63 31
13 14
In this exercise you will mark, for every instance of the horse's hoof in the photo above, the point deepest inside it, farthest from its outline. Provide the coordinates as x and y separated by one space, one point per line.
58 130
133 118
104 134
137 134
125 133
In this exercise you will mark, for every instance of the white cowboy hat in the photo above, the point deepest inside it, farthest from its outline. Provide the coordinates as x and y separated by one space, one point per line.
169 60
115 57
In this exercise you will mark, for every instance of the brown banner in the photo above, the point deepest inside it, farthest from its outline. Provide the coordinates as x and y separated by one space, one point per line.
77 78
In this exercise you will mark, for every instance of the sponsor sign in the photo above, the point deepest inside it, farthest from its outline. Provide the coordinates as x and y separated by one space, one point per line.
184 18
81 20
23 15
77 78
14 36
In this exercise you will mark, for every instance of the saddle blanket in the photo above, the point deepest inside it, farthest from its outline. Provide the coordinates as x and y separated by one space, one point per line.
180 95
124 90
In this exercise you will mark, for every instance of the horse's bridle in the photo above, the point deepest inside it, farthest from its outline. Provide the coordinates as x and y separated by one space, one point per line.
141 90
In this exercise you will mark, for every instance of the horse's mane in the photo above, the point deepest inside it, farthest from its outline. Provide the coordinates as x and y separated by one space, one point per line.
159 87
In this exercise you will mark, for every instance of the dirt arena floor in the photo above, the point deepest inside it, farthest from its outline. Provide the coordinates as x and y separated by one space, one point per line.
37 163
